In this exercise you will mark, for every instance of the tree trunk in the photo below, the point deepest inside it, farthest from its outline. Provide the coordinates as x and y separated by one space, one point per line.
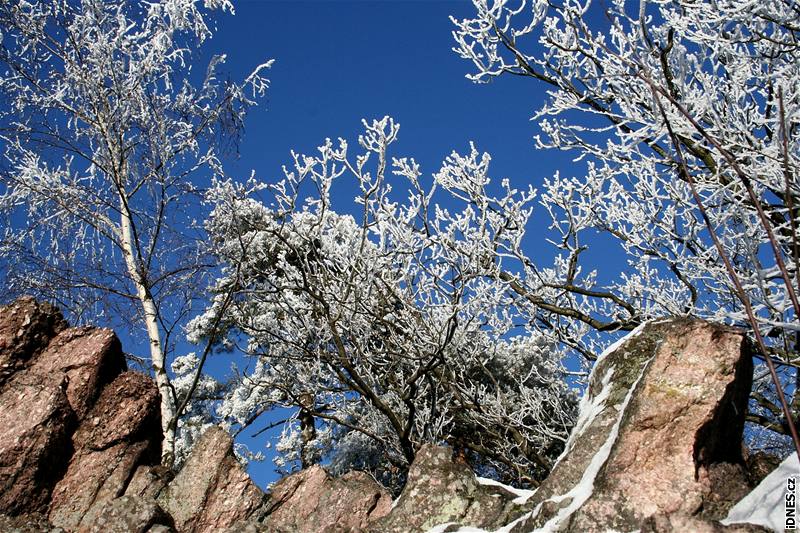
154 336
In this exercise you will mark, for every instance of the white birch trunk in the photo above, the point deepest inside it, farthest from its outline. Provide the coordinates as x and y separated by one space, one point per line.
154 336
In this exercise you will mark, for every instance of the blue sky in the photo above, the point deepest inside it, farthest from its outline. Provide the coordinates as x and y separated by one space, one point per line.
337 62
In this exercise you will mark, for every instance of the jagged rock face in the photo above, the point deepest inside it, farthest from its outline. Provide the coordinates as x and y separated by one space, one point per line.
656 449
54 376
35 425
80 439
126 514
89 357
211 492
661 411
26 327
149 481
440 490
121 432
311 501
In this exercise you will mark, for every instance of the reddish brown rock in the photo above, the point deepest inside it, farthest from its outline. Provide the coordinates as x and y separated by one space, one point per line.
121 432
149 481
665 406
440 491
35 424
311 501
90 357
26 327
211 492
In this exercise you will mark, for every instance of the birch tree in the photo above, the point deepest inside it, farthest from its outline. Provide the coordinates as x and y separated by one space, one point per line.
106 131
685 117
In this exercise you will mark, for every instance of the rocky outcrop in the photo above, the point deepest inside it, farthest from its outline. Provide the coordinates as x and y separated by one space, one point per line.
663 411
311 501
121 432
26 327
656 448
211 492
35 425
90 358
73 425
149 481
439 491
80 439
126 514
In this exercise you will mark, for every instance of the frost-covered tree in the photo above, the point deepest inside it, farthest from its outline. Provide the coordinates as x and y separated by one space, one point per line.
393 322
686 115
105 130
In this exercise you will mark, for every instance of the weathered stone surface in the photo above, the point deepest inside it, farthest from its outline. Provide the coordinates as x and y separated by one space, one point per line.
26 327
90 357
35 424
657 449
30 523
439 491
121 432
126 514
149 481
680 523
311 501
211 492
660 410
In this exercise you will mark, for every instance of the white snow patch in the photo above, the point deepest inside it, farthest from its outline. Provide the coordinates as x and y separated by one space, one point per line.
584 488
618 343
588 410
522 495
764 506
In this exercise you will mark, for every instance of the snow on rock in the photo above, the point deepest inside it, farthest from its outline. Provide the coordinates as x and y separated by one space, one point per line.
590 407
663 409
522 495
616 345
583 490
764 506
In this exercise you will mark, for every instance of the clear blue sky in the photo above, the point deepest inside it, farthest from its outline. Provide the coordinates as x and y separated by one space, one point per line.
337 62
